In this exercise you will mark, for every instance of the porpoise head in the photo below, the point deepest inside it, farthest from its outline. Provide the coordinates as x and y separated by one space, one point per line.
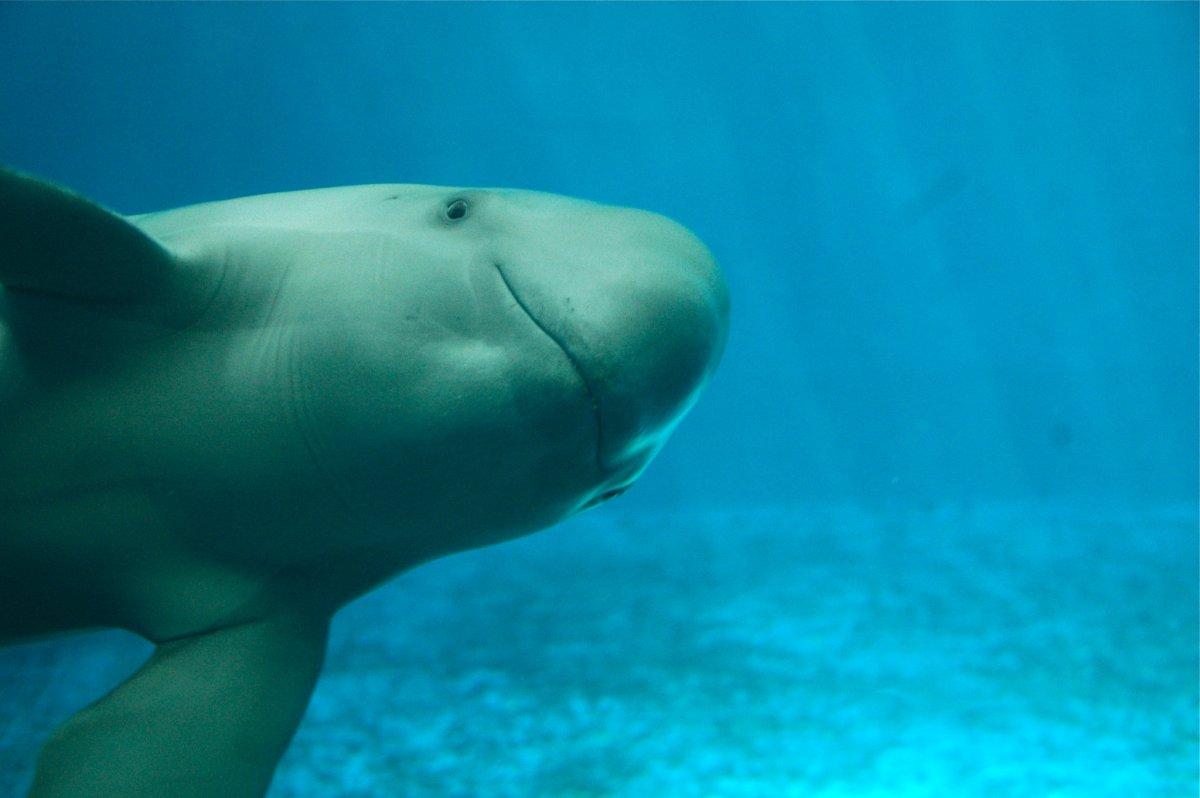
474 364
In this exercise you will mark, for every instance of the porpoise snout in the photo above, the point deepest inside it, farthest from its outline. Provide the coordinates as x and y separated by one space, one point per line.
668 320
641 309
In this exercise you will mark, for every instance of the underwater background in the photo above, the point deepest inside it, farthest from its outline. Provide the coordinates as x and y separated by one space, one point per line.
931 530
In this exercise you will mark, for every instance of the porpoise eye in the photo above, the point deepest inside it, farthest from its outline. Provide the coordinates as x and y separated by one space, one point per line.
612 494
455 210
605 496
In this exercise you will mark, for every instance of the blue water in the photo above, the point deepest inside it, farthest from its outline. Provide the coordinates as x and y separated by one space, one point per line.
932 528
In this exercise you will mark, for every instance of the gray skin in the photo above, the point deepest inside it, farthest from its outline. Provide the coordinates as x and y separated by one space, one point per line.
219 424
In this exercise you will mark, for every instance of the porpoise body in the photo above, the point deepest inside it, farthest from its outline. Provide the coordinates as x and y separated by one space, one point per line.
221 423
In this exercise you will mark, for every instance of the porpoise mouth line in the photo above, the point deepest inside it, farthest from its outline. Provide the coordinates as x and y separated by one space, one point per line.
574 361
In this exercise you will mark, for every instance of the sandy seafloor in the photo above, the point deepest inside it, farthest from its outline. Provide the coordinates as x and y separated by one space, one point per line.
993 651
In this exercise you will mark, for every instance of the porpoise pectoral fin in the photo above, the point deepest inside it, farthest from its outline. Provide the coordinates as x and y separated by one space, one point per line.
57 242
207 715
